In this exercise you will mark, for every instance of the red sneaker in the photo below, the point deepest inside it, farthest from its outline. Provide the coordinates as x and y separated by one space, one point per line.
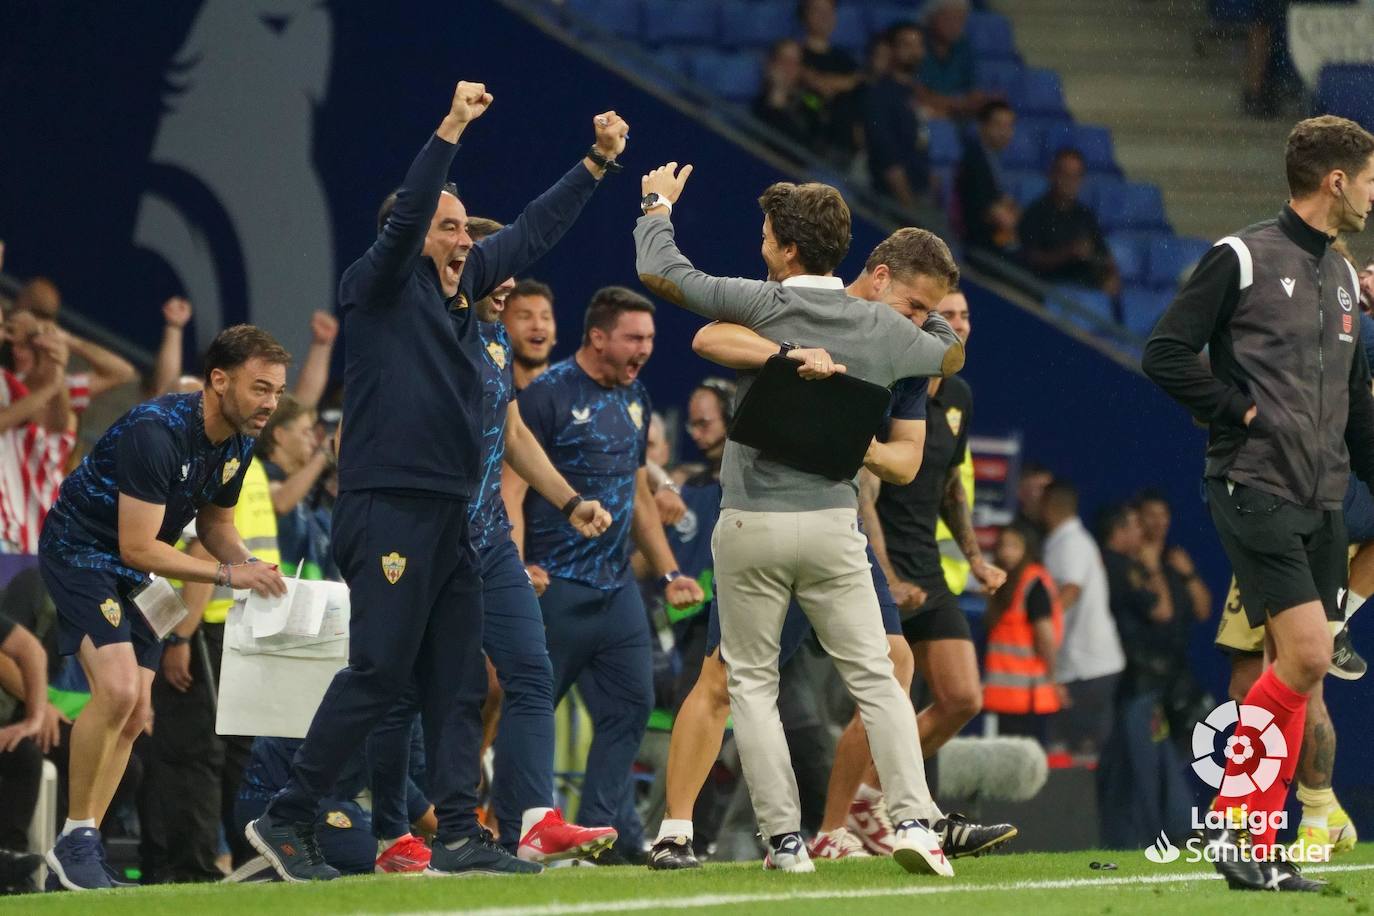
554 839
869 822
407 856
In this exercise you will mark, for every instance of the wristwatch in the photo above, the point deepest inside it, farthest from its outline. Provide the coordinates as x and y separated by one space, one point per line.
655 199
610 166
670 578
787 348
175 639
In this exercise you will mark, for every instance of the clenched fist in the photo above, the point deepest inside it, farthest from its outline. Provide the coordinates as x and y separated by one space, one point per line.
611 133
470 102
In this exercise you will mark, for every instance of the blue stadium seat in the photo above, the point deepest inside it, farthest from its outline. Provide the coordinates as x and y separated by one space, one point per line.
1171 257
618 17
1232 10
1345 90
990 35
667 21
1026 150
945 148
883 15
1026 187
1095 303
998 75
1104 194
1039 92
1142 207
943 176
1141 308
1095 143
756 25
735 77
851 29
1057 134
1132 256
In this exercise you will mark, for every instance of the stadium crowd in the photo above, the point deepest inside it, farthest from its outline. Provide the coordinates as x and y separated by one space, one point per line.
577 501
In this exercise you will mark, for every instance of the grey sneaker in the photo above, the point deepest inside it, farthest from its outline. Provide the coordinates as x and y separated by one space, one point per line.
1346 663
478 855
291 849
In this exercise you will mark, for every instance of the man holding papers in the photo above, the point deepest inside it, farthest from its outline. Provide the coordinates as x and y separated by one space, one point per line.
164 463
785 533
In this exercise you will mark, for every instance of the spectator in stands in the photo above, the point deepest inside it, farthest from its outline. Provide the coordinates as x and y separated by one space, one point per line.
830 74
176 314
36 432
1090 659
40 299
529 321
898 161
1060 238
946 81
1191 596
990 215
1030 499
1141 604
1024 623
24 675
784 103
1263 43
295 461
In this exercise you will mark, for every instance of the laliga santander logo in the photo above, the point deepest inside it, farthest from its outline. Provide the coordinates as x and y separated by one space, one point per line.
1256 747
1162 852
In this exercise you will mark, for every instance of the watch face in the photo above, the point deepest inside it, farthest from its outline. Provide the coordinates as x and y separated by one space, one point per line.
649 201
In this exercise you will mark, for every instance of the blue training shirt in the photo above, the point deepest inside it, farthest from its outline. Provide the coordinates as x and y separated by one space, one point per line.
157 453
597 438
487 519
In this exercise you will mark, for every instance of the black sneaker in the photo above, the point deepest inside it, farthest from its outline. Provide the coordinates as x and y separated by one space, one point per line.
478 855
1346 663
961 837
292 849
16 868
1286 876
673 853
1232 860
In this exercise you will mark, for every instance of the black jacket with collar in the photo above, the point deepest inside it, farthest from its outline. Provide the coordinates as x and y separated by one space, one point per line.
1277 309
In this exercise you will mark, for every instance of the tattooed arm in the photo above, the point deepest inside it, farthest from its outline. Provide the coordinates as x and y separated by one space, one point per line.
954 509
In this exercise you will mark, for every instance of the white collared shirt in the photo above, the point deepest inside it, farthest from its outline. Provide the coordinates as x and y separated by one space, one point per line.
811 281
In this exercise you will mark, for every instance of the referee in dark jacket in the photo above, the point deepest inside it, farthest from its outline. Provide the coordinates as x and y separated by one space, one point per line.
1288 406
409 465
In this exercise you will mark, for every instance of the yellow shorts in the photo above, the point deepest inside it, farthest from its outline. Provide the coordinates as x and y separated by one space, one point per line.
1234 634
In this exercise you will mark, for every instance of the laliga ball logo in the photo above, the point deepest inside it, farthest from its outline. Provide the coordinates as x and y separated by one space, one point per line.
1256 747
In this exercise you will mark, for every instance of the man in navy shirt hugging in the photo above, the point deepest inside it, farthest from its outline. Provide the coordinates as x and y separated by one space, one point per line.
178 458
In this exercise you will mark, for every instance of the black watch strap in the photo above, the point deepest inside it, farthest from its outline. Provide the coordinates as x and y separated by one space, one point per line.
610 165
787 348
175 639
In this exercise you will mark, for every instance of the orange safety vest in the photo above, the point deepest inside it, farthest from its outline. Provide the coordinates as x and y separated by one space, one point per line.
1016 680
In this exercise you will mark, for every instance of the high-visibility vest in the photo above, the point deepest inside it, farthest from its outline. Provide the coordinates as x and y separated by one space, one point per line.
1017 681
256 522
952 560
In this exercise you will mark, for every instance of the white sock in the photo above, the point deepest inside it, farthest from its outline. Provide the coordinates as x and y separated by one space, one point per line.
1353 602
77 825
531 817
868 794
1313 820
671 828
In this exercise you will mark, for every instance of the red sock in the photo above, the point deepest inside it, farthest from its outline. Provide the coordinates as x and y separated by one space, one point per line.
1289 709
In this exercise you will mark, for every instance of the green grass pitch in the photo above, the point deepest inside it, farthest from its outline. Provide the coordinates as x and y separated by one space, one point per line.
1028 884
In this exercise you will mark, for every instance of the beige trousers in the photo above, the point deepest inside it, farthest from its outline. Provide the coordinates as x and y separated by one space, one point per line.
763 559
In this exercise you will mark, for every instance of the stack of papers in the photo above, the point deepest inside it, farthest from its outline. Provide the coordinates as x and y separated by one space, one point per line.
280 655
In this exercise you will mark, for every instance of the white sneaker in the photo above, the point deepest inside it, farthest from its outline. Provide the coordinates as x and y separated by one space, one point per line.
790 855
838 844
917 849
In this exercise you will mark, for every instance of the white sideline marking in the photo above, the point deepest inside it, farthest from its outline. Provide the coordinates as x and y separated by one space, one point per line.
713 900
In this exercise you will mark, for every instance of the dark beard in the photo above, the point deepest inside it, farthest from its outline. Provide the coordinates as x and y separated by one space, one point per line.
527 363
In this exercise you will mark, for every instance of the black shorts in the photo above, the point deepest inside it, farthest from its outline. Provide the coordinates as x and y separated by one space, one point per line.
1283 555
95 603
939 618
